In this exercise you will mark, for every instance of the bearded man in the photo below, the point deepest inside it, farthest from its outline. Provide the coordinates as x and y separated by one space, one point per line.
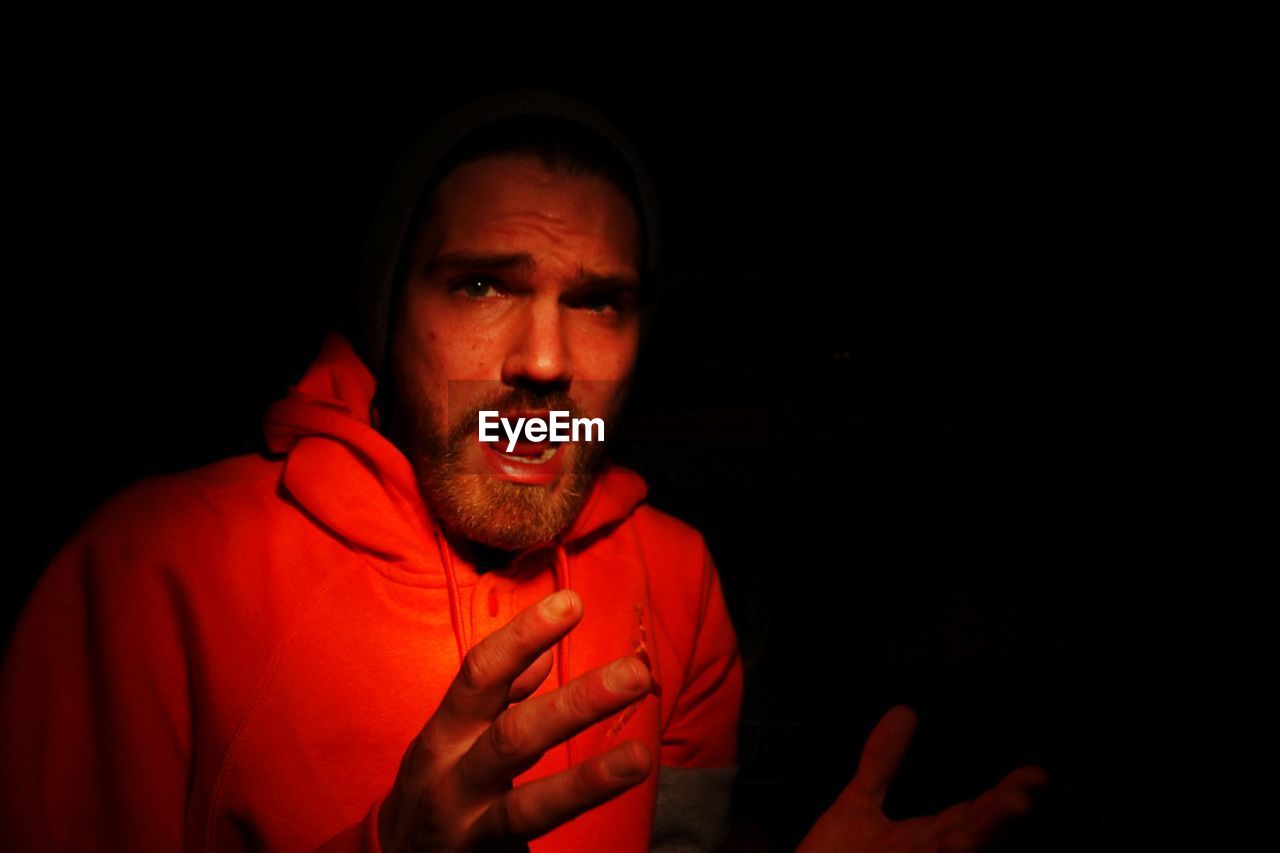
387 634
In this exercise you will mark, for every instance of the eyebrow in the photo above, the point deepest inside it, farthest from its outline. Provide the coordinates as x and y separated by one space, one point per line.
472 260
524 262
587 280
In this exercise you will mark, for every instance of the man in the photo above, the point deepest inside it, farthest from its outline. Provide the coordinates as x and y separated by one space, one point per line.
386 634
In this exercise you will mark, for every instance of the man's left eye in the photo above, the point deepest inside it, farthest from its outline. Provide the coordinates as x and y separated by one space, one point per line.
600 303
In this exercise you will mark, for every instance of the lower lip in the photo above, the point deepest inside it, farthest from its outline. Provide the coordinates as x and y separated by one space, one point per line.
520 470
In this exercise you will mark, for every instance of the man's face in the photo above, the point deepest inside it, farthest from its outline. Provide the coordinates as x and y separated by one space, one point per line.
521 298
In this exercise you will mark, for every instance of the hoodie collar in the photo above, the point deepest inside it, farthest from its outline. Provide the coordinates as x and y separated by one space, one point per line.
354 481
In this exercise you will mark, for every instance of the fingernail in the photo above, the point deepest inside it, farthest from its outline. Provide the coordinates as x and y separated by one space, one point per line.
623 765
559 605
626 676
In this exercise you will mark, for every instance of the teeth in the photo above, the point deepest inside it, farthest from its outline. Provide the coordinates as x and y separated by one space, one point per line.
536 460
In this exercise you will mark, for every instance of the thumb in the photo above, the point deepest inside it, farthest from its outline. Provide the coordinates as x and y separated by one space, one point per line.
882 755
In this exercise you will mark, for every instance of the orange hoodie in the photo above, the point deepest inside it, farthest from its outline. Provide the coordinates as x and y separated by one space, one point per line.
236 657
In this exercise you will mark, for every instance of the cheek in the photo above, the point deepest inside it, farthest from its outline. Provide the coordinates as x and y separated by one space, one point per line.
458 371
446 350
421 367
605 394
609 357
464 346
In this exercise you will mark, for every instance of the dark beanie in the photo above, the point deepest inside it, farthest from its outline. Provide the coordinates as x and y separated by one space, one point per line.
417 171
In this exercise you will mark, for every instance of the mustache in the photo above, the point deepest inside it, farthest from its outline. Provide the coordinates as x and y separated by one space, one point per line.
516 399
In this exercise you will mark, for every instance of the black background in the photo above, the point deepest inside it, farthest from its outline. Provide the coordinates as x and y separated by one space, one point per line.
905 384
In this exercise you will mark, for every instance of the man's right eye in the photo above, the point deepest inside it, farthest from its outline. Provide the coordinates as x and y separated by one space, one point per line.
477 287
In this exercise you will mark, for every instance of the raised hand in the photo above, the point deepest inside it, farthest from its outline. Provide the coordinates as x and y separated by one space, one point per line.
856 821
454 787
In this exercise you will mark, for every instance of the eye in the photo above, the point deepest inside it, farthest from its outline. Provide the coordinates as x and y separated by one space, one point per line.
609 302
475 286
600 303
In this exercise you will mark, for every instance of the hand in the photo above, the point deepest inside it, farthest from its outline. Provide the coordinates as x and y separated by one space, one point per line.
454 787
856 821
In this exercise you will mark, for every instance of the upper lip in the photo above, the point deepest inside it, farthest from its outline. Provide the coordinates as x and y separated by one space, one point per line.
544 414
512 417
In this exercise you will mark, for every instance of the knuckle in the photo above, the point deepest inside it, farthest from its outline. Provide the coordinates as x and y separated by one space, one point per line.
507 737
499 828
573 703
586 783
514 816
521 631
423 753
477 669
428 802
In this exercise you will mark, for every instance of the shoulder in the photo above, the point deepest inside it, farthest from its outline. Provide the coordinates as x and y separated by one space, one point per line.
160 521
664 534
209 552
174 503
134 568
681 570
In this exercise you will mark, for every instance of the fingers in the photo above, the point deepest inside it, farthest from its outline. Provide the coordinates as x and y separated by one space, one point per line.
955 818
882 755
522 733
959 841
529 680
537 807
984 822
1007 800
1031 776
974 824
482 687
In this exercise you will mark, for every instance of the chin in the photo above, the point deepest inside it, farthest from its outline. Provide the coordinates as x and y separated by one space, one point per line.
508 516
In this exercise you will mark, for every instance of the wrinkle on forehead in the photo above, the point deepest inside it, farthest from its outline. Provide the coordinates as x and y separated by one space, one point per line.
516 188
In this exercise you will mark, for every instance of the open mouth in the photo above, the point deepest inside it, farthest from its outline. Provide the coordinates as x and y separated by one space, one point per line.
533 453
531 463
516 457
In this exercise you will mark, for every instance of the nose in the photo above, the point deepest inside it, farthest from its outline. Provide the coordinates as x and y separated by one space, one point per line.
539 353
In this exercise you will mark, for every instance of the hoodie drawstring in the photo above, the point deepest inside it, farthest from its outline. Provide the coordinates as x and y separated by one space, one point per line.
455 599
563 580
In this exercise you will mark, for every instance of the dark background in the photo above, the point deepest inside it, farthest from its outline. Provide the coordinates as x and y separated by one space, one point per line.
904 382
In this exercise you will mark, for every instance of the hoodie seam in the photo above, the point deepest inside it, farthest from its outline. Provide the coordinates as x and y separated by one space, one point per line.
411 578
264 682
639 538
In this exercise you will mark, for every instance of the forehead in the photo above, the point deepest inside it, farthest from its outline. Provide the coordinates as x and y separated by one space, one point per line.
503 203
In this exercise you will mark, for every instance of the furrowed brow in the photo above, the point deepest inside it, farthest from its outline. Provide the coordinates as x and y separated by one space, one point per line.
589 280
448 261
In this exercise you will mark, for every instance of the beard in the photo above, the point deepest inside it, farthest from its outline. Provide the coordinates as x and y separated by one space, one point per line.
473 502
